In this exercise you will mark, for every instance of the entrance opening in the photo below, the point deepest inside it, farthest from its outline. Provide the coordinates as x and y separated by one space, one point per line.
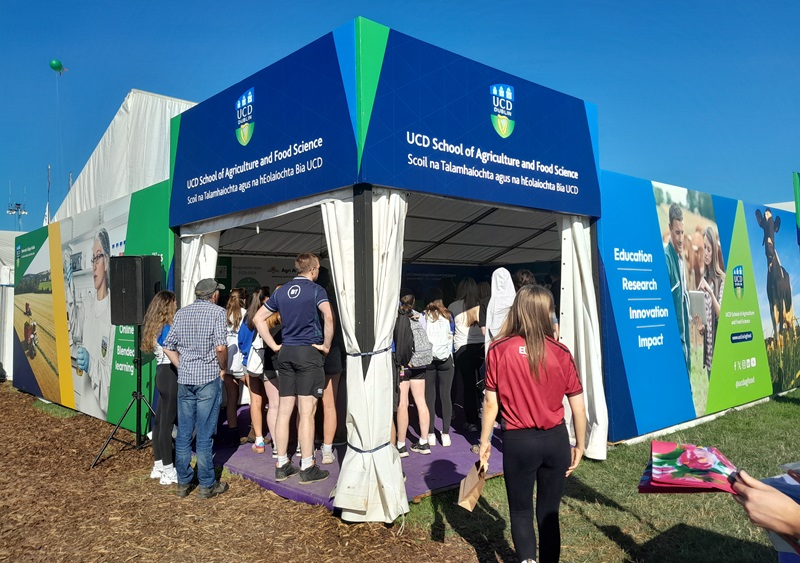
444 239
451 238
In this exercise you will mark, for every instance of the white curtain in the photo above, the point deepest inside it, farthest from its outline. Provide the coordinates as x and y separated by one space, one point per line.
7 334
580 328
370 487
198 261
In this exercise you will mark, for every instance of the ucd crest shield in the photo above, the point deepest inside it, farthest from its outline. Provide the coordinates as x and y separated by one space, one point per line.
502 96
245 126
245 133
738 282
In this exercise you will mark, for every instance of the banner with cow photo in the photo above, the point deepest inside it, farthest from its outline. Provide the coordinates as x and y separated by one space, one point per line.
66 350
776 263
683 294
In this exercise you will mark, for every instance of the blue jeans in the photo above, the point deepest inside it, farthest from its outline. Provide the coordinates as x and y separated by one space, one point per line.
198 406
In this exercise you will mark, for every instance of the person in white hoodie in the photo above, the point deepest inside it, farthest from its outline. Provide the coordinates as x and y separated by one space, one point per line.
502 297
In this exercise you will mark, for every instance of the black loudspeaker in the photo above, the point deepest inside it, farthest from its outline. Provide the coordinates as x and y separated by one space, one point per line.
135 280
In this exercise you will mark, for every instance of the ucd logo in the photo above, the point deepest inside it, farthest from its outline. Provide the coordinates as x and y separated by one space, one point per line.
502 108
244 117
738 282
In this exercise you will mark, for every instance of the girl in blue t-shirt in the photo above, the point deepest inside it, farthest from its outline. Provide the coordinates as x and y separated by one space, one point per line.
155 328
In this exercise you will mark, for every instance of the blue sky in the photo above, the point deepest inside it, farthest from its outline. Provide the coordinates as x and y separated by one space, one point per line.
696 94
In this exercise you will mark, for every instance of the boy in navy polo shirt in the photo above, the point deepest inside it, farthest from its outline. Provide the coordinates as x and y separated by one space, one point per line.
300 359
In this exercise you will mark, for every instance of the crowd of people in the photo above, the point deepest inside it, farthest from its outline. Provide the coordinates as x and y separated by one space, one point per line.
498 343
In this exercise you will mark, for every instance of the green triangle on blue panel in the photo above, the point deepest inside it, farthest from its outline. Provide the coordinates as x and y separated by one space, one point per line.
739 372
371 40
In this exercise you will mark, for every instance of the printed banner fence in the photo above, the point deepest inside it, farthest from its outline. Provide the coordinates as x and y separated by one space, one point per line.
66 349
697 293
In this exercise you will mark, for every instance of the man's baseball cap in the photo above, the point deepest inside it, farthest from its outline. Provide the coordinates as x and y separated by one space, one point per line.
207 287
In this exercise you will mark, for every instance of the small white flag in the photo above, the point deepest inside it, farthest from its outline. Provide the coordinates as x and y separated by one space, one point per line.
46 215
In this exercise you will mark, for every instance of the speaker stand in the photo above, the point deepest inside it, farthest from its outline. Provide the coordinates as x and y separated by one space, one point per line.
136 398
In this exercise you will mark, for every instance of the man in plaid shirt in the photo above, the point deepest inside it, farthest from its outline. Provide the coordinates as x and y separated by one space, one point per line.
197 346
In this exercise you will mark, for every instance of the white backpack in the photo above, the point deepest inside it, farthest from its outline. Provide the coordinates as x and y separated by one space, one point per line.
440 337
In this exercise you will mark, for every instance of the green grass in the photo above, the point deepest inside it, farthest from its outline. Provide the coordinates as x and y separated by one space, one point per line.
698 379
54 410
603 518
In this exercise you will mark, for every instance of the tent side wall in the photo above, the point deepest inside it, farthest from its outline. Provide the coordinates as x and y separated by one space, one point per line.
133 154
670 357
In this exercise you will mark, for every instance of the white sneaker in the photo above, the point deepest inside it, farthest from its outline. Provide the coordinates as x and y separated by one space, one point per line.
446 440
431 439
328 457
155 473
169 477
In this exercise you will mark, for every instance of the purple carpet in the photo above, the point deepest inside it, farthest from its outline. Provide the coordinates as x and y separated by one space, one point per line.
443 469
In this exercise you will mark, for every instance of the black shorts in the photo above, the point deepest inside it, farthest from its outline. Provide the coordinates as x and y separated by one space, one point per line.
300 371
411 374
333 362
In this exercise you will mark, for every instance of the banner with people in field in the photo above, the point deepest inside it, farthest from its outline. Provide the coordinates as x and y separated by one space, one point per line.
697 298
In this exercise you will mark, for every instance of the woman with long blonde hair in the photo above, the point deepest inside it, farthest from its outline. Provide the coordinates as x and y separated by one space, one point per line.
712 284
439 373
155 328
527 376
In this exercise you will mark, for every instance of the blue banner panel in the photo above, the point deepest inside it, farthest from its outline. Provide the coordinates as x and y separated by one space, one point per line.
444 124
622 421
637 292
24 379
281 134
726 217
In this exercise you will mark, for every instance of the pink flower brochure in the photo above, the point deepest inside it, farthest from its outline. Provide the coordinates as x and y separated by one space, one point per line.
686 468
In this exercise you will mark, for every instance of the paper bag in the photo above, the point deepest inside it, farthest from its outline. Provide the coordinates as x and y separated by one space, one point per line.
472 487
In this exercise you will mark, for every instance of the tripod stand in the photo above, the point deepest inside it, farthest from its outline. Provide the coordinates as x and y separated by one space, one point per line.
136 397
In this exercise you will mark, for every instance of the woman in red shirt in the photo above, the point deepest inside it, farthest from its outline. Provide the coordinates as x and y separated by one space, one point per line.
527 376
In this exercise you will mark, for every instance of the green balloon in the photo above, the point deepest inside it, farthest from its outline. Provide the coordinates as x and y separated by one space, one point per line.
56 65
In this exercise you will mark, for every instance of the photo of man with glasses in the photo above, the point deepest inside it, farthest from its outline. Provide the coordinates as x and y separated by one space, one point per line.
92 349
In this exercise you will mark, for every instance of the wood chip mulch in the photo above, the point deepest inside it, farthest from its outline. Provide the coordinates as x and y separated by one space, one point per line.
53 507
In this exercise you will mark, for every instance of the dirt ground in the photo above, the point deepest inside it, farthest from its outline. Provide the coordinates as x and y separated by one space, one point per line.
55 508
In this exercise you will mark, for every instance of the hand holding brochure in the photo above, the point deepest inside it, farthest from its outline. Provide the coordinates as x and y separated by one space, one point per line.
686 468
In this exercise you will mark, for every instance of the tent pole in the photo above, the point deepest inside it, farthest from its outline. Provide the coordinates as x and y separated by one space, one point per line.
364 284
177 256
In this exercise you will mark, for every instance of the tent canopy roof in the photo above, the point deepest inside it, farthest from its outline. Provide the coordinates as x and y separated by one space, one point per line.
438 231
